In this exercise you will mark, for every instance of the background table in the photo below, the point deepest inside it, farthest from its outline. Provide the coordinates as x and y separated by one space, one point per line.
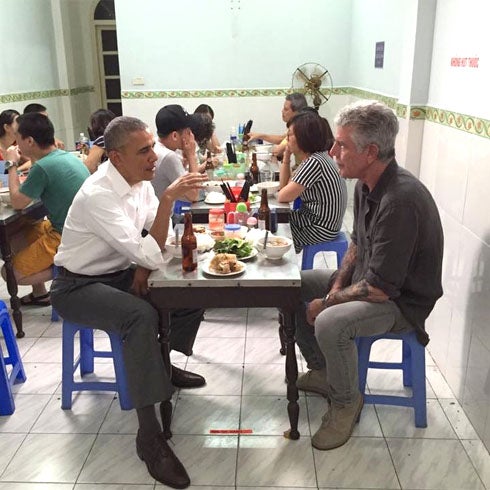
11 222
264 283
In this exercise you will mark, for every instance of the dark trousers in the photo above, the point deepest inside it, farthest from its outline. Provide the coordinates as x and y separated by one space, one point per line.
104 303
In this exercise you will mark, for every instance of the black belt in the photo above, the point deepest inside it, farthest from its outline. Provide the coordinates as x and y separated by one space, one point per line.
66 273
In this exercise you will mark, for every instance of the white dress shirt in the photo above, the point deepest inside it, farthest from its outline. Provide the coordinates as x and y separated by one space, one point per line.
102 232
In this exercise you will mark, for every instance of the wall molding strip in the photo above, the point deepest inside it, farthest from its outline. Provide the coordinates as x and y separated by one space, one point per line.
45 94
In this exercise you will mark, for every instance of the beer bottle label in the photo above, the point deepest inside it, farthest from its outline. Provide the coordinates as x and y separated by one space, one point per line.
261 224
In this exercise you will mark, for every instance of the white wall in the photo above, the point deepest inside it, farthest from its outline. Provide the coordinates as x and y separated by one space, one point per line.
455 167
223 44
374 21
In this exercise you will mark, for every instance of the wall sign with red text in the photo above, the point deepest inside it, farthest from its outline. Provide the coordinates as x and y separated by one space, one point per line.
465 62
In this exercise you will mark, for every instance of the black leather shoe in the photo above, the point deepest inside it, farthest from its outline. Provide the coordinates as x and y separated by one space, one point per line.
186 379
161 461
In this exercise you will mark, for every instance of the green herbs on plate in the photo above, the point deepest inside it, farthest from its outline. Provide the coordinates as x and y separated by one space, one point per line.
241 248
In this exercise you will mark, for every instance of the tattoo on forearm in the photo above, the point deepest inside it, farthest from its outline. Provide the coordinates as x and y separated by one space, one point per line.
356 292
346 270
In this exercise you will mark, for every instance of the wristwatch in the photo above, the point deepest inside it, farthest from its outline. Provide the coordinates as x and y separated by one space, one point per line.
10 163
325 299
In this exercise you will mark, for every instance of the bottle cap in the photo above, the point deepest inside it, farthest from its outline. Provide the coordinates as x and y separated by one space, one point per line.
241 207
251 221
232 227
216 211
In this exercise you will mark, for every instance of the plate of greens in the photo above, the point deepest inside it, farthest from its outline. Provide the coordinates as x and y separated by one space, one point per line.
243 249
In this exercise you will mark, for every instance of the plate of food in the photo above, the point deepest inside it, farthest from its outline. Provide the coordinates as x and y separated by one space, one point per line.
243 249
224 265
215 198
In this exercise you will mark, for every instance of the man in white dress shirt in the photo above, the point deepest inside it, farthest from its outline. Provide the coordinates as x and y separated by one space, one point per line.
98 287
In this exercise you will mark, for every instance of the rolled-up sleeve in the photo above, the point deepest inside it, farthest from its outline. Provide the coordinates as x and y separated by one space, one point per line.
393 242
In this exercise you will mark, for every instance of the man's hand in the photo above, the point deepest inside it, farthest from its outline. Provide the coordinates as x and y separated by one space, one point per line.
184 184
140 282
188 144
313 309
13 154
59 144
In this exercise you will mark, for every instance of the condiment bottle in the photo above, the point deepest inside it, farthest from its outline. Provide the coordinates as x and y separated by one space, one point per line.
254 169
209 168
264 214
216 219
232 231
189 245
241 213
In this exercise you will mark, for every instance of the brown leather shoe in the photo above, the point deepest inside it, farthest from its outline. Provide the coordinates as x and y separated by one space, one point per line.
186 379
161 461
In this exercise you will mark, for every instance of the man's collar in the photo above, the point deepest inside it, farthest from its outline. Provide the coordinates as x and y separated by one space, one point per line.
383 181
119 183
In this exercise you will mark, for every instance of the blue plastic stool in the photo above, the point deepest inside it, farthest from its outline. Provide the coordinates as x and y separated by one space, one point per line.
412 365
86 362
17 374
54 314
338 245
178 205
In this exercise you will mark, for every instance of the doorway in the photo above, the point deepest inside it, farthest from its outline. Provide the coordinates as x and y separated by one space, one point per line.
107 56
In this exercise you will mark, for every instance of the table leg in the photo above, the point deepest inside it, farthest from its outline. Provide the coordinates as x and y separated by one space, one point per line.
291 374
163 338
11 282
282 335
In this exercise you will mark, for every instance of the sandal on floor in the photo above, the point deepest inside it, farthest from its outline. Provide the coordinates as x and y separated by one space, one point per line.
31 300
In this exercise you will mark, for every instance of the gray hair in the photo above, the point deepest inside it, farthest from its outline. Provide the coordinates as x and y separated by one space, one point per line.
117 131
298 101
372 123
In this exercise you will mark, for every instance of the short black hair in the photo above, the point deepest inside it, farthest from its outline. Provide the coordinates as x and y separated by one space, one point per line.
7 117
34 107
98 122
204 109
202 127
38 126
312 132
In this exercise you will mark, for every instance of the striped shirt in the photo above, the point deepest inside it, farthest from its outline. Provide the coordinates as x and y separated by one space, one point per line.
324 201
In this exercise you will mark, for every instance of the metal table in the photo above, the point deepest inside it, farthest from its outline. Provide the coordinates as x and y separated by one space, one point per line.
264 283
200 210
11 222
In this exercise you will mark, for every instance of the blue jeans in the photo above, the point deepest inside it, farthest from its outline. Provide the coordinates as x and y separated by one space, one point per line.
331 344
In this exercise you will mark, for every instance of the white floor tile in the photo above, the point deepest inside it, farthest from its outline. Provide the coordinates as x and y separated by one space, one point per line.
334 467
458 419
400 422
433 464
275 461
49 458
113 459
92 446
197 415
480 458
209 460
267 415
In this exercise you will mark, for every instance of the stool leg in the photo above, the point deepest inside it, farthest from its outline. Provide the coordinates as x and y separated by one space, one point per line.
12 348
419 385
407 363
7 405
363 353
86 351
68 362
117 358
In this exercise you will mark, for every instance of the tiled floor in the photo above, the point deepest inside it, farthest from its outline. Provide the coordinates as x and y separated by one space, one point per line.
92 445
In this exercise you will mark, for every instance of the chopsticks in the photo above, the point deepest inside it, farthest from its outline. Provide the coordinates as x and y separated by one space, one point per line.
265 238
225 187
243 197
230 153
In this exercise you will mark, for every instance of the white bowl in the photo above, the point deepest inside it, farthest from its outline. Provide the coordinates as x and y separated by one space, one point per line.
5 196
275 248
204 244
271 187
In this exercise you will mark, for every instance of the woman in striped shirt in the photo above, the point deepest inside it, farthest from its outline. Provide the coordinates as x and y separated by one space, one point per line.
316 181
